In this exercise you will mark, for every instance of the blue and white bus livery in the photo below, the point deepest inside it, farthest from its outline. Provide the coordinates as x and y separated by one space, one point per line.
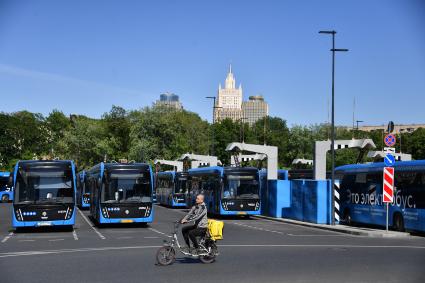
228 191
44 193
121 193
83 193
171 188
361 195
6 191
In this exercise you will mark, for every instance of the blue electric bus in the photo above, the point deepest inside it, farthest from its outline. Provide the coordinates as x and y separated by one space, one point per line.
121 192
172 188
228 190
44 193
361 195
83 193
6 192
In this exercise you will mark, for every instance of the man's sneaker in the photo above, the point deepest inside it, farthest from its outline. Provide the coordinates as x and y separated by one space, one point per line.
186 249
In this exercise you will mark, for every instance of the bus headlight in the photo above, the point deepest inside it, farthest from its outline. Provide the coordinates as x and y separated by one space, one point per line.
224 205
68 214
148 211
105 212
18 214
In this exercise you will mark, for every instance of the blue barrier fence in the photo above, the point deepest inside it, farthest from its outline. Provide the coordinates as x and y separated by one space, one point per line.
304 200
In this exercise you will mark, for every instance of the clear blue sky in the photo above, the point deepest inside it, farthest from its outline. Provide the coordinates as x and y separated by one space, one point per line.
84 56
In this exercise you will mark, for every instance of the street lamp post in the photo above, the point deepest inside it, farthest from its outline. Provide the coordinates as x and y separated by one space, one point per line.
242 120
357 122
213 137
332 32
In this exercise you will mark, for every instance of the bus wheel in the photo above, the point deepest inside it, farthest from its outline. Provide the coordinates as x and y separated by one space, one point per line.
347 217
5 198
398 222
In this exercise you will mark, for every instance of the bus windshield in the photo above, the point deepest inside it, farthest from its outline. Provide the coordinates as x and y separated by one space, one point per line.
181 186
44 184
241 186
126 187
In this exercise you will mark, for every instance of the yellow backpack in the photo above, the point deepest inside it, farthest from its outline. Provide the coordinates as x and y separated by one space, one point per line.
215 229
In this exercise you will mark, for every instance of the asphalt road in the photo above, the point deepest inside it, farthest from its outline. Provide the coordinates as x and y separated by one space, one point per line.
253 250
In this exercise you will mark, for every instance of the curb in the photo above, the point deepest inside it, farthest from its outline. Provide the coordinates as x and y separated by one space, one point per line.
340 228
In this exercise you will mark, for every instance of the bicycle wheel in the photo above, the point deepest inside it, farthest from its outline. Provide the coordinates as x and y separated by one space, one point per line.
207 258
165 255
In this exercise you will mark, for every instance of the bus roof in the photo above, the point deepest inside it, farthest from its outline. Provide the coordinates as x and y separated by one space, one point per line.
44 162
206 170
221 170
167 174
401 165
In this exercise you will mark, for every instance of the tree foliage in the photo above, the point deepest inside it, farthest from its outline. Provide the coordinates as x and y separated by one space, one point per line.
150 133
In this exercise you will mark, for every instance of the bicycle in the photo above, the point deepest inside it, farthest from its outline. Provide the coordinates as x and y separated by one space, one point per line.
166 255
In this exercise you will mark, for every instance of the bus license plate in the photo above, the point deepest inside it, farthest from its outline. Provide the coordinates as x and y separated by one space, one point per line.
127 221
45 223
241 213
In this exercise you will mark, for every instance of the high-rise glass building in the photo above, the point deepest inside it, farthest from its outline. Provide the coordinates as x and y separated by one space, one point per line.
254 109
169 100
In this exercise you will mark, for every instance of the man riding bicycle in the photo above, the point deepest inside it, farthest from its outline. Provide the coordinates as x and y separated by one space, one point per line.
198 215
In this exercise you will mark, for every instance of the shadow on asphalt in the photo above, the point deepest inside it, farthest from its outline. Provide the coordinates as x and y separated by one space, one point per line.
184 260
24 230
118 225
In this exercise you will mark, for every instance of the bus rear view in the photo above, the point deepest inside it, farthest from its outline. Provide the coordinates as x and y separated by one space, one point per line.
44 194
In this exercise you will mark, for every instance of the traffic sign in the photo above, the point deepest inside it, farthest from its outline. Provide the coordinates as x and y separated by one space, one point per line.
389 160
388 191
389 140
389 150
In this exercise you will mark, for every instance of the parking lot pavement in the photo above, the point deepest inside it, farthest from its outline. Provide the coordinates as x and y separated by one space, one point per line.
253 250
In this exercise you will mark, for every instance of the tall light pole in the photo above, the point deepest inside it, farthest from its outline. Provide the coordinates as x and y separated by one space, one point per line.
213 137
242 121
357 122
332 32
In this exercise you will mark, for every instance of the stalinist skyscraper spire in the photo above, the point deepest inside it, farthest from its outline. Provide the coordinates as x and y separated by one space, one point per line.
229 99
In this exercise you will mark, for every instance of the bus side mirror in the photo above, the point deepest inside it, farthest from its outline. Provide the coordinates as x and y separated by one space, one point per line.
10 182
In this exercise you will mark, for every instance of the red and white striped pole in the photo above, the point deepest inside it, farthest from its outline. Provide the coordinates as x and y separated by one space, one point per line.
388 188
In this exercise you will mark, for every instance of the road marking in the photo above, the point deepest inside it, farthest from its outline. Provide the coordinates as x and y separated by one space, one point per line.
313 235
332 233
159 232
7 237
26 240
298 226
91 225
55 240
257 228
151 237
173 209
42 252
74 234
124 237
27 253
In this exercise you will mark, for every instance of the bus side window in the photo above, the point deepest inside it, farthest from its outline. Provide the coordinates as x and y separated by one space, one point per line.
347 184
412 188
373 182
